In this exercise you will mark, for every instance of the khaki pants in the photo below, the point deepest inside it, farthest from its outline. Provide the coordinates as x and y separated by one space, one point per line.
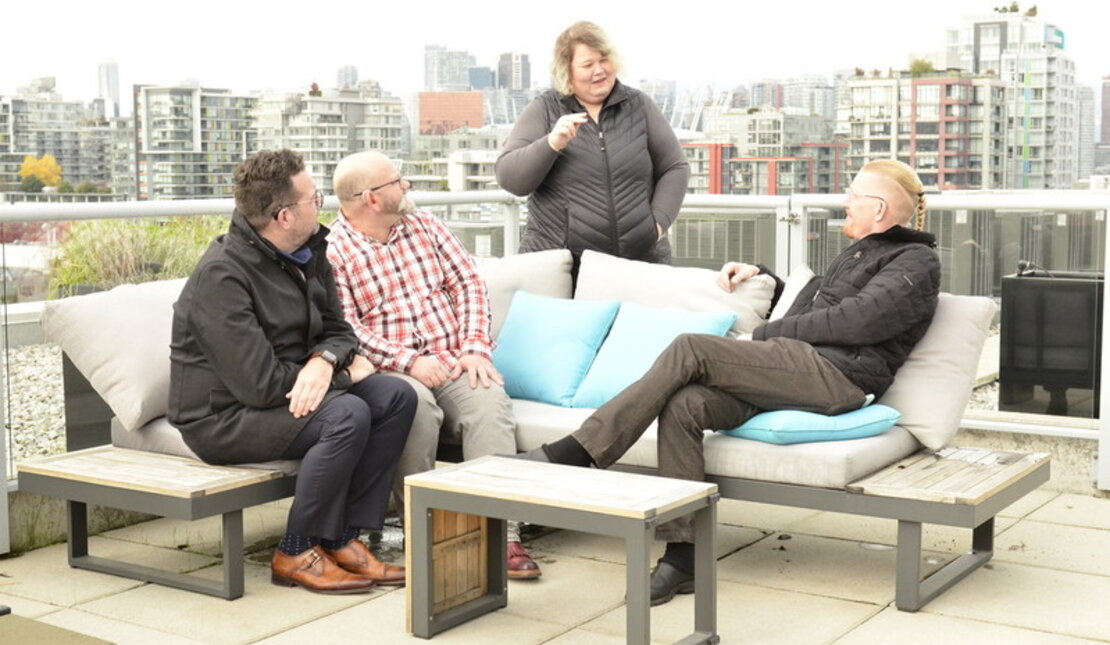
481 419
706 382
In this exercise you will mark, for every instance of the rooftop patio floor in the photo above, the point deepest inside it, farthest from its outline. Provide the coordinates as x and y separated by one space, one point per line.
785 576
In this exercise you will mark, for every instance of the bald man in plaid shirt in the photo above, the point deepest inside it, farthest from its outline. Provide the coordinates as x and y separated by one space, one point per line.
420 311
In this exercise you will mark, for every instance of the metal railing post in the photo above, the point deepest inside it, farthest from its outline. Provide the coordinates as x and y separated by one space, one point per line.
1102 459
510 212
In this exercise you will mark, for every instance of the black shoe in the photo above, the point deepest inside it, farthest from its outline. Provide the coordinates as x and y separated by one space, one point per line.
666 581
535 454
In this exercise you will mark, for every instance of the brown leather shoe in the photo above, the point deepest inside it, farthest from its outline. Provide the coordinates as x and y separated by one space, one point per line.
315 571
356 558
521 565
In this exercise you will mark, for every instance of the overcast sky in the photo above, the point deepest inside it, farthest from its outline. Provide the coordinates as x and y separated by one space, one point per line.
253 46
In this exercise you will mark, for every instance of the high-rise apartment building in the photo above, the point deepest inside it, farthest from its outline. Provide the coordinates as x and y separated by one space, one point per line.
1105 137
951 127
709 167
121 156
1028 57
774 151
37 121
1085 133
189 139
514 72
347 76
664 93
811 93
481 78
326 128
107 73
446 71
766 92
442 112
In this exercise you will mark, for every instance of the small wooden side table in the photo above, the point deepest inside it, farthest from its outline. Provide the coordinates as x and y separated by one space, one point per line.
582 499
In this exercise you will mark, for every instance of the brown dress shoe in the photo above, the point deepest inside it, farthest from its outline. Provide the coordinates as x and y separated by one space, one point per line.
315 571
357 559
521 565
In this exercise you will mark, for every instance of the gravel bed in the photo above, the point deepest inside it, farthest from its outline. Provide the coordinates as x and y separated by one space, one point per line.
35 402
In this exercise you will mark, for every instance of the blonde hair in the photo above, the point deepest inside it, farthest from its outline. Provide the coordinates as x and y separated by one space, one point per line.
905 176
580 33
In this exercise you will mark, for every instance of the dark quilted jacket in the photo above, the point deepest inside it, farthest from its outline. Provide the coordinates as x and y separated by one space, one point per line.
870 309
600 192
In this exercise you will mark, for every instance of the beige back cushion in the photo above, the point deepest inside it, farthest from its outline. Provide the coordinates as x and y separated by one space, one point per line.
605 277
545 273
933 386
120 341
799 278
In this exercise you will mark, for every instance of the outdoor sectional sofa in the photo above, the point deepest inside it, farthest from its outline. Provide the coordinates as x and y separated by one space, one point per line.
115 345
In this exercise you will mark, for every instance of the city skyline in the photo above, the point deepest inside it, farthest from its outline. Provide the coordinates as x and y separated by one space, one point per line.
714 43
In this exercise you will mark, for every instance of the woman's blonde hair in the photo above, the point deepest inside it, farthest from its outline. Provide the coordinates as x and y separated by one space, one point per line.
905 176
580 33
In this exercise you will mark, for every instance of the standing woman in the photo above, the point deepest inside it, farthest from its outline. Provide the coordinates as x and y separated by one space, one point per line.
604 168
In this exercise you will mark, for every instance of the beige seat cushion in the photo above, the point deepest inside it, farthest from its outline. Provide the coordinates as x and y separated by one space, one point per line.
828 464
161 437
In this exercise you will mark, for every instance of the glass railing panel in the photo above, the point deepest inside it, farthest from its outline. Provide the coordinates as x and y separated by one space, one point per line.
708 237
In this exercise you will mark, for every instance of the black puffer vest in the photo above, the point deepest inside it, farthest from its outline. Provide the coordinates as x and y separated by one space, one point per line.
598 194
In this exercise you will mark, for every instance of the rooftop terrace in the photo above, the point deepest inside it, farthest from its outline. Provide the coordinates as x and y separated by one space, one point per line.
784 575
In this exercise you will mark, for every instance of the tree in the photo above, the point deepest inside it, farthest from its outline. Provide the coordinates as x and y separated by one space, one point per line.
31 184
45 168
65 187
920 67
86 187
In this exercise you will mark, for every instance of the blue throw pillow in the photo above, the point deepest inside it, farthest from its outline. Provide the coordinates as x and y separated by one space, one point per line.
639 336
546 345
795 426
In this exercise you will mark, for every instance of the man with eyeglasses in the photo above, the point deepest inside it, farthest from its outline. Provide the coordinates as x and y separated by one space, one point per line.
843 338
420 310
264 367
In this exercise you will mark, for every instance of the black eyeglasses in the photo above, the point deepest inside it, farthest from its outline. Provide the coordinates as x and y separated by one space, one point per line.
317 198
398 181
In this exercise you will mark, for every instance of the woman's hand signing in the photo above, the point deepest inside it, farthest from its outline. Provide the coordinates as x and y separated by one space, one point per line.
566 128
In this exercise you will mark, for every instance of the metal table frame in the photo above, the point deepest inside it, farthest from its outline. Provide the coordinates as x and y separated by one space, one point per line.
637 533
229 504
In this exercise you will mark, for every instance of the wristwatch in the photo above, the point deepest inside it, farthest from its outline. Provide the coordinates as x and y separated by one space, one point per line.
327 356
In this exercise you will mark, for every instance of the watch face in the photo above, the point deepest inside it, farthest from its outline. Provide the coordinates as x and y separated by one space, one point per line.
329 357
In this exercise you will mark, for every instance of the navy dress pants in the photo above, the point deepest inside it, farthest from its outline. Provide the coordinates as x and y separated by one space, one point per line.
349 451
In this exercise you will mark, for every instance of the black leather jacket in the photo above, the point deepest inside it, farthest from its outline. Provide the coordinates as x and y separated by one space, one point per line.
870 309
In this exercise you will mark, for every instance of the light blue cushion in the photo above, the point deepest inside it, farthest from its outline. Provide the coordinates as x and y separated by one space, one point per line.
795 426
546 345
639 336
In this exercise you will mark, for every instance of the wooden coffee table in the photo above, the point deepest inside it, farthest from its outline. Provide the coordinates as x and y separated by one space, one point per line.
604 502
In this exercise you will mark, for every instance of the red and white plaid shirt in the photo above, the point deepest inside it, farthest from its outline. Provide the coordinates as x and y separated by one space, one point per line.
418 294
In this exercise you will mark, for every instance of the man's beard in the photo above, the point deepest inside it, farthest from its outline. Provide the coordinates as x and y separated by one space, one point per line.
405 206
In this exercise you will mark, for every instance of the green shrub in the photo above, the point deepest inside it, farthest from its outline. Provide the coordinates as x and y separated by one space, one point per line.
100 254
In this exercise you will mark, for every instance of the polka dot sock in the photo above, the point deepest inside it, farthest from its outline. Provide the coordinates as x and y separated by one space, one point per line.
295 544
349 534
